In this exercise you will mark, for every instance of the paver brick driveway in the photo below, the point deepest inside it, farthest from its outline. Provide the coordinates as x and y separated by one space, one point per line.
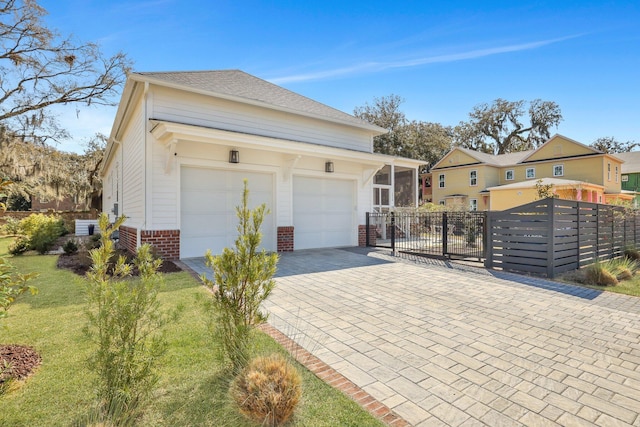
444 346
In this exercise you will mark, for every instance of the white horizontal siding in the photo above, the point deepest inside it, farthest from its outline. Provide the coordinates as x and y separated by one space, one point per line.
173 105
164 188
132 161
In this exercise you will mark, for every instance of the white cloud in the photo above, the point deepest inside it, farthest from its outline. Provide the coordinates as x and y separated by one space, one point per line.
373 66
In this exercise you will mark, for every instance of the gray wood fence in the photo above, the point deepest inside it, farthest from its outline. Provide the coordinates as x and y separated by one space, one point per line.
552 236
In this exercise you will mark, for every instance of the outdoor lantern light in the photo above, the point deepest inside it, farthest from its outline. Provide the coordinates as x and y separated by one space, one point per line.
328 167
234 156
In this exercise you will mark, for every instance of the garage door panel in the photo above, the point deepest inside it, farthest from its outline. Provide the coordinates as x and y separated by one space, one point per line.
208 208
323 212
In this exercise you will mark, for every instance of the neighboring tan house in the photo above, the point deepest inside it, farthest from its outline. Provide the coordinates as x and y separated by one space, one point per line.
183 142
480 181
631 173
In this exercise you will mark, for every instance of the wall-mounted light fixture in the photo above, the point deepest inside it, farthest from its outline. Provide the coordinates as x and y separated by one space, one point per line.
328 167
234 156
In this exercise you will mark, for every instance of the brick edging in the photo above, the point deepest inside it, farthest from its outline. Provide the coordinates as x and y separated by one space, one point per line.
335 379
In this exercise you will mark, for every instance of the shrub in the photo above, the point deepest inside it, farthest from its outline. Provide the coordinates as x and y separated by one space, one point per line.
125 324
243 279
42 231
268 390
632 253
70 247
11 227
19 245
598 274
622 268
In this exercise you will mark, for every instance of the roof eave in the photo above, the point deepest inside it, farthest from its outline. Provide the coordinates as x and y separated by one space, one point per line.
376 130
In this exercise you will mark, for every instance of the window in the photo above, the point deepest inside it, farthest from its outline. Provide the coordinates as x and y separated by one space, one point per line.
617 174
473 204
558 170
441 180
608 171
625 178
508 175
473 178
441 202
531 173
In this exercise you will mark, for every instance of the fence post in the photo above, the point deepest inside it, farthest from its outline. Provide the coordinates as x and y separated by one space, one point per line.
550 237
366 233
613 233
488 249
578 246
597 254
445 232
393 233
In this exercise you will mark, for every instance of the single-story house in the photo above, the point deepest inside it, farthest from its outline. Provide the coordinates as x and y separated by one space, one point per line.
182 144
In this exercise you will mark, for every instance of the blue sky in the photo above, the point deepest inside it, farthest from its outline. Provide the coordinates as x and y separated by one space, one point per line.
441 57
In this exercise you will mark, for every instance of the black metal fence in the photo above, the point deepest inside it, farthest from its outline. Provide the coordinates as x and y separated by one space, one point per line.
437 234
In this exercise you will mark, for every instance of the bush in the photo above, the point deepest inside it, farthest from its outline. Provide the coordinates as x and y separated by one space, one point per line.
622 268
632 253
125 324
11 227
598 274
70 247
268 390
243 279
42 231
19 245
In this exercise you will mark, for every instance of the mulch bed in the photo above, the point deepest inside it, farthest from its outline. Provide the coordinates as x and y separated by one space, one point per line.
79 263
21 361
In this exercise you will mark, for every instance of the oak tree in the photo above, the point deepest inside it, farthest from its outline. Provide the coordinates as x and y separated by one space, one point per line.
39 68
508 126
609 144
412 139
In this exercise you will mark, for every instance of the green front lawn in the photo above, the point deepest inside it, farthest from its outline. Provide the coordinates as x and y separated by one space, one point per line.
192 389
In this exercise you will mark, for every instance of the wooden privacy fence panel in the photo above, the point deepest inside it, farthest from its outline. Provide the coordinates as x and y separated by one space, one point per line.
551 236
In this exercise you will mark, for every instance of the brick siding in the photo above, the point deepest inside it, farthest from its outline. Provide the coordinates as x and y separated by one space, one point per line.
166 242
362 235
128 238
285 239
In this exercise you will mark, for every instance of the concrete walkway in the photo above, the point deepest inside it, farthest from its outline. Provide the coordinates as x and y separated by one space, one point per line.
443 344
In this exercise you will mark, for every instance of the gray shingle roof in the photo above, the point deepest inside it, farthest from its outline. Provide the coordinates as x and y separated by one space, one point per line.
510 159
238 84
631 161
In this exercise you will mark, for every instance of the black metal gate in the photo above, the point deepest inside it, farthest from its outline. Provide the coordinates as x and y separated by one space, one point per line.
437 234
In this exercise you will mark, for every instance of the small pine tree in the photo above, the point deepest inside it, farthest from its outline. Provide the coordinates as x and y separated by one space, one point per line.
243 279
125 324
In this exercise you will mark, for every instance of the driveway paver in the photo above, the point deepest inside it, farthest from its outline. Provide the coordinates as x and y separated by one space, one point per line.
456 346
464 346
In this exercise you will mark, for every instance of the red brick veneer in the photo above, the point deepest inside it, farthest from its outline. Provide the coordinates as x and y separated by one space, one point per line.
128 238
362 235
166 242
285 239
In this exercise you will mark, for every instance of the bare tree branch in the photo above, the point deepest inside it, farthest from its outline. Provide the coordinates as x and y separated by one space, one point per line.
39 68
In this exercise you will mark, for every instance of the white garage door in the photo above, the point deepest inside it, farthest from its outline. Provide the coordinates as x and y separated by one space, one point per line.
208 200
323 211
